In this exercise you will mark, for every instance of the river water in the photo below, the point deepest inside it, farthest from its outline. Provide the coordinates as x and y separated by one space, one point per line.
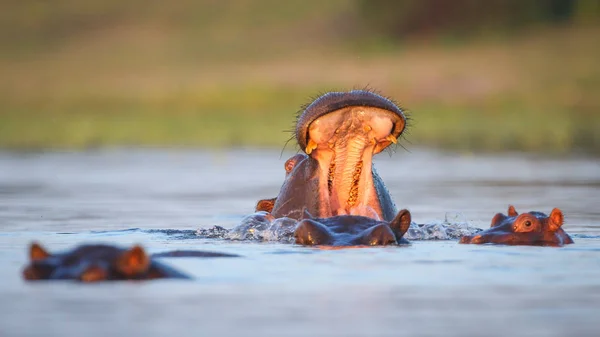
432 287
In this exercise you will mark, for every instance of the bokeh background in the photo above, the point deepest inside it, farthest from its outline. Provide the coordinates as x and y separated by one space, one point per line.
495 75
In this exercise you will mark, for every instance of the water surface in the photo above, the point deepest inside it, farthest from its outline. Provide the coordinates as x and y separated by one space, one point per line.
428 288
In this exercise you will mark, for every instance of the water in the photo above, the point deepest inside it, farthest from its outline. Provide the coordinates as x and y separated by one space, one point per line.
432 287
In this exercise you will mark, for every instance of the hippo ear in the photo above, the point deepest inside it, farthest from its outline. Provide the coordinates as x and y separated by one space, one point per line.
265 205
555 220
133 261
312 233
401 223
512 211
37 252
497 219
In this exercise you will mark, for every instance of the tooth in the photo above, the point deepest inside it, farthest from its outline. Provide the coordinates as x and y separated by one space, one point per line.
392 139
311 146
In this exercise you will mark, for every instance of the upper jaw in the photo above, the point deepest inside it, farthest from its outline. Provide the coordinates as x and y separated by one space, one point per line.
354 128
331 102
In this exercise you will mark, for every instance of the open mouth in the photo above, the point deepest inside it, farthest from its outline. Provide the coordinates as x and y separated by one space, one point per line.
343 142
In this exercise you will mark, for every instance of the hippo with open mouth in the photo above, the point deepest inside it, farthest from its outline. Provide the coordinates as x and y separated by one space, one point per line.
98 262
339 133
332 188
532 229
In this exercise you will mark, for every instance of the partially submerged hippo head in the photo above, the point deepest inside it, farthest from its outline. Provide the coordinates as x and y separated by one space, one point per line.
352 230
339 133
92 263
532 228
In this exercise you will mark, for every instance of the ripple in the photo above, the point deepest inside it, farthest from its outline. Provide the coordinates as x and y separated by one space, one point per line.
584 236
436 261
178 234
115 232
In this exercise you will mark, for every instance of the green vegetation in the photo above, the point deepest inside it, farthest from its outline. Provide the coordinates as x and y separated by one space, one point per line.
204 73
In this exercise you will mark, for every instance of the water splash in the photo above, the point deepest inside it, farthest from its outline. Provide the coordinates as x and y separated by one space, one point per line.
261 226
453 227
215 232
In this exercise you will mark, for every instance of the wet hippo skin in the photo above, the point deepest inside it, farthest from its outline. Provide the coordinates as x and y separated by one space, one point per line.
531 228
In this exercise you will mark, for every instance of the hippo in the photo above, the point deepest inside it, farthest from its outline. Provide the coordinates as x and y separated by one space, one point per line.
352 230
531 229
98 262
338 133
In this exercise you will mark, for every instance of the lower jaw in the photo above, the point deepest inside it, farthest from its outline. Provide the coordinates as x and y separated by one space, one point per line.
352 198
346 180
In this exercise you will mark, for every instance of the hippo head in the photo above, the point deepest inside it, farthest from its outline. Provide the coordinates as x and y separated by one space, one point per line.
339 133
352 230
88 263
532 228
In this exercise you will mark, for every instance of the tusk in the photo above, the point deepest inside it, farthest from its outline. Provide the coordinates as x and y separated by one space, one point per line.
392 139
312 145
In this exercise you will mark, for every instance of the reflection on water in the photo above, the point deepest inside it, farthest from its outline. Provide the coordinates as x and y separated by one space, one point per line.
165 199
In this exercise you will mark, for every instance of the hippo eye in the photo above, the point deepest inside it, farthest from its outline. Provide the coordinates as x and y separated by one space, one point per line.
527 223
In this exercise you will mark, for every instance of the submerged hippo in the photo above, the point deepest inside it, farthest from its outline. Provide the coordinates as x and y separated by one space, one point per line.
352 230
532 228
339 133
92 263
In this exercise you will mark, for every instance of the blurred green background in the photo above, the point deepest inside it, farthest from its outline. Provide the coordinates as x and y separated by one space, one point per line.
496 75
